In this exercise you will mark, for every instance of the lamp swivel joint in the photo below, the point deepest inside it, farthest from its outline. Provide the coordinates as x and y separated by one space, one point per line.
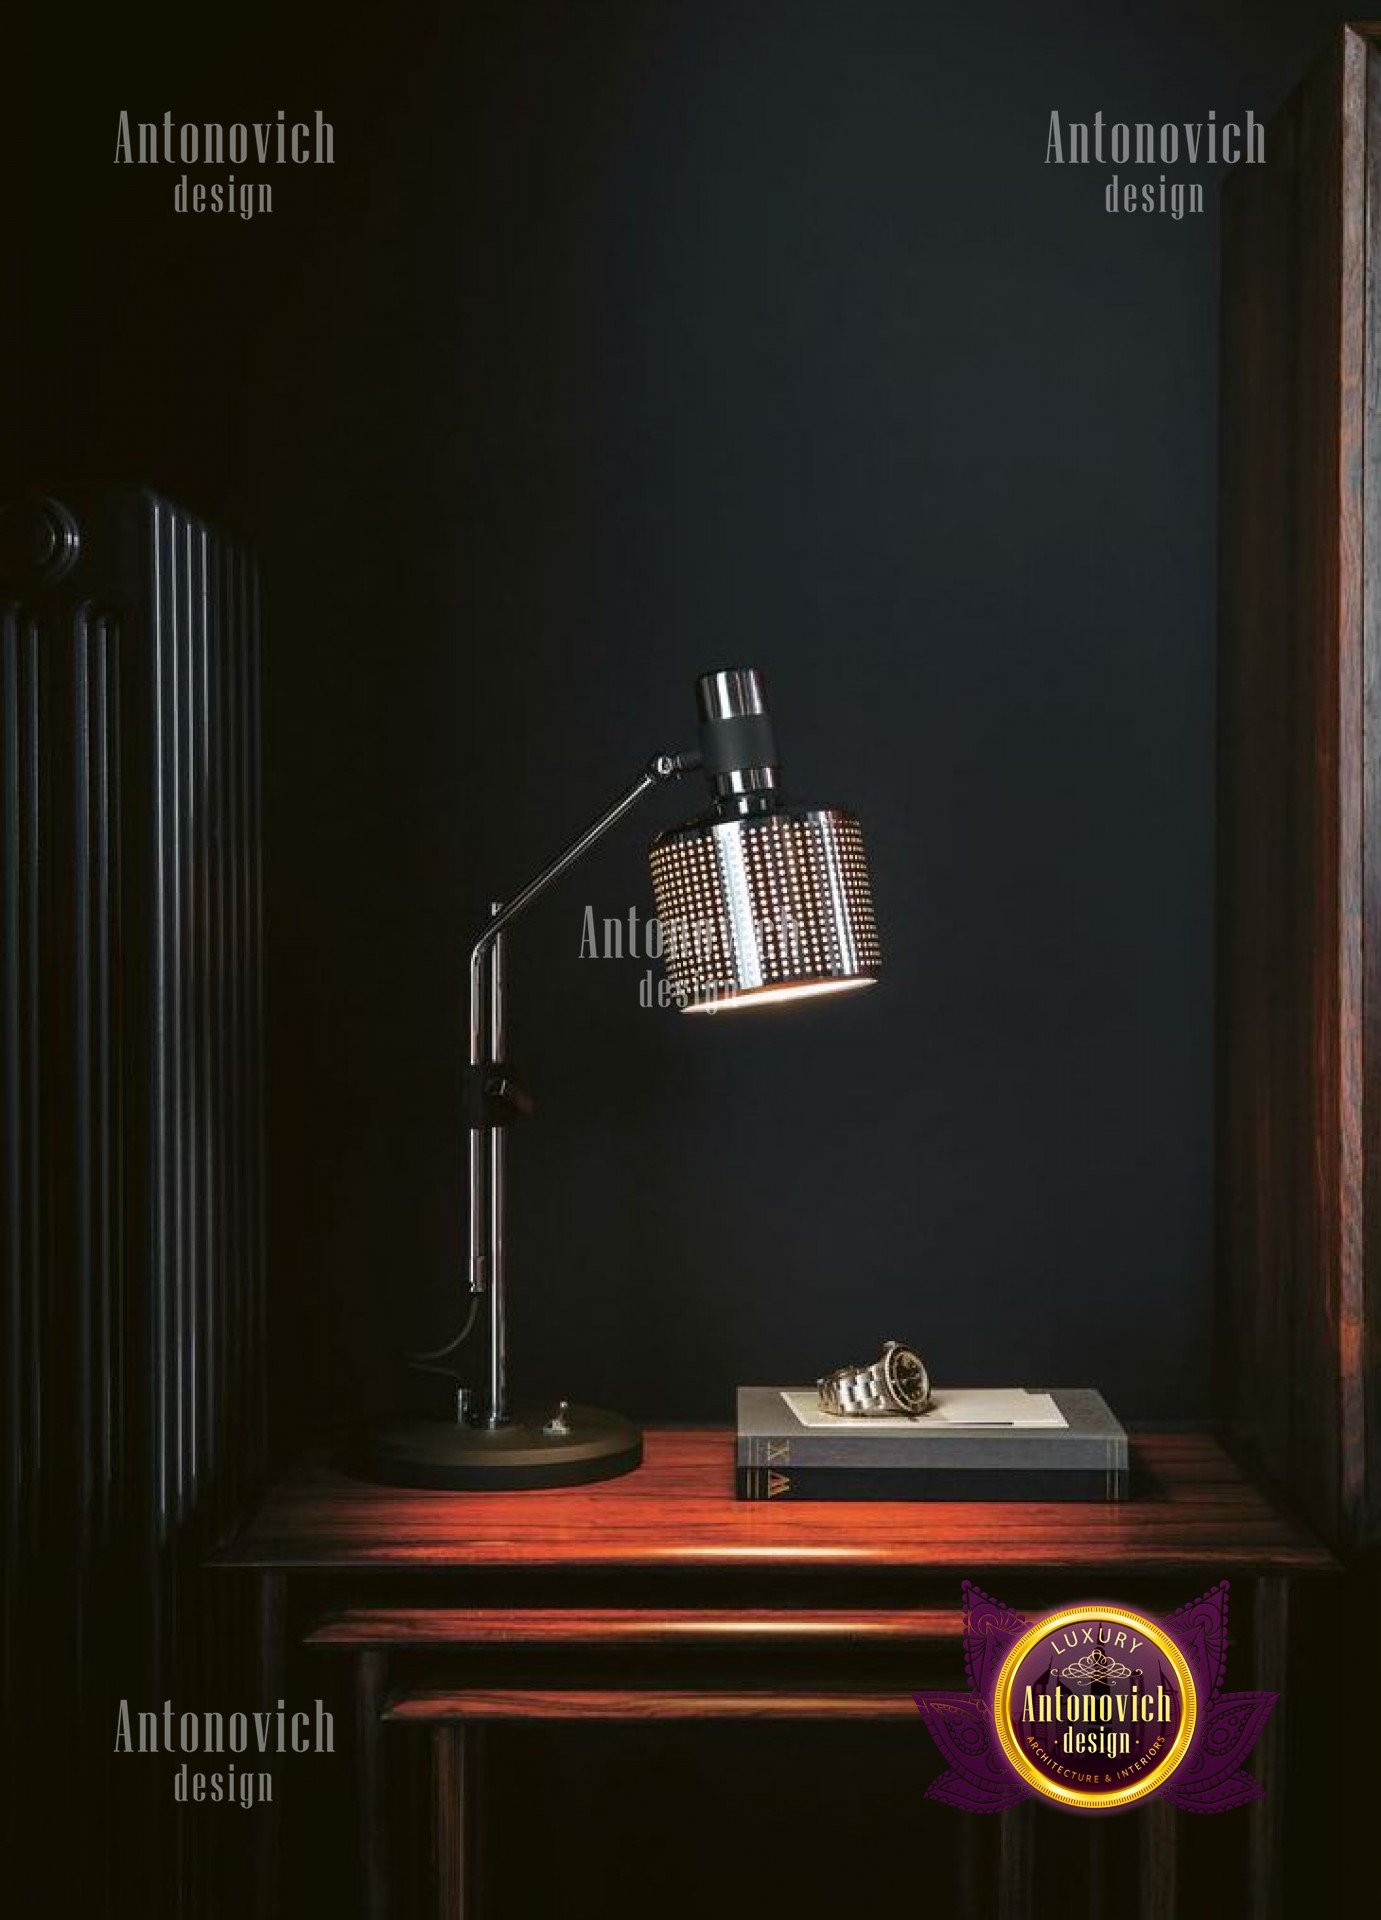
491 1097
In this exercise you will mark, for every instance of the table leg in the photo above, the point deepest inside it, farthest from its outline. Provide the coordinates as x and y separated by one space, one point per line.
1157 1862
273 1622
1270 1643
369 1690
1014 1851
454 1769
1096 1855
972 1865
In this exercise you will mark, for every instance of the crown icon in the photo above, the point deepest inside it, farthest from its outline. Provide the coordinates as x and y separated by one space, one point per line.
1096 1666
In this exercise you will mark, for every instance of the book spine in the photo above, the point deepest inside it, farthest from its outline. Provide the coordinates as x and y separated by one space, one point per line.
930 1483
947 1452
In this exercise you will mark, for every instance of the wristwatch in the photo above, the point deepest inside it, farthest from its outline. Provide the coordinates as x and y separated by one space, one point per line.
897 1383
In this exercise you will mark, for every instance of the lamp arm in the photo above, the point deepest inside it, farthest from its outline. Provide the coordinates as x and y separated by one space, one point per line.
486 1261
663 767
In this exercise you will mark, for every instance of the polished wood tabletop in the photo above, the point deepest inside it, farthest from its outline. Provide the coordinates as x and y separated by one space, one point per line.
1192 1505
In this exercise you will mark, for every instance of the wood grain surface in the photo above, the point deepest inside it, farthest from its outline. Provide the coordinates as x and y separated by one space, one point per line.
360 1629
678 1511
644 1703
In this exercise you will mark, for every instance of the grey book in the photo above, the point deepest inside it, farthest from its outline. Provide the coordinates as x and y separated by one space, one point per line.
1068 1446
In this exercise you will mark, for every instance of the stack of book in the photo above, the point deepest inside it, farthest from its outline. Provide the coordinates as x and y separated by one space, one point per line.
974 1444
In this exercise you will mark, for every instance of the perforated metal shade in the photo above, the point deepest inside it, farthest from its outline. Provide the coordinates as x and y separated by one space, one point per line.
769 907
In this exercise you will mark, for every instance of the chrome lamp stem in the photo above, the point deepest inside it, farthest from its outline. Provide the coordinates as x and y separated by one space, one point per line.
487 1251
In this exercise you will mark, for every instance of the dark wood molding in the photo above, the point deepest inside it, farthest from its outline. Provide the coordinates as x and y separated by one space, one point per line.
1299 844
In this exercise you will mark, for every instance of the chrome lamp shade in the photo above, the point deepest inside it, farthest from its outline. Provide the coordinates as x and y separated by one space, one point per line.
776 906
758 901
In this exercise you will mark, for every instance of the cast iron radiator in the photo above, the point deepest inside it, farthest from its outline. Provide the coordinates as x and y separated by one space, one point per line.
131 1209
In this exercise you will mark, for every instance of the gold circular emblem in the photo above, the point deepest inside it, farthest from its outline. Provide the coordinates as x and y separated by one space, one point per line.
1154 1775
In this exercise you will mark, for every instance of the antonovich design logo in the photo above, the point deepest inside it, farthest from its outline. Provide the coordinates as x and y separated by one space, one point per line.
211 143
1095 1706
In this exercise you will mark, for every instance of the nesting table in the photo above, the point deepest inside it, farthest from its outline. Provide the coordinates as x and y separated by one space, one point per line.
661 1596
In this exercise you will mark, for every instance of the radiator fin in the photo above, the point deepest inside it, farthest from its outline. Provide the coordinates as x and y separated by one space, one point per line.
131 1160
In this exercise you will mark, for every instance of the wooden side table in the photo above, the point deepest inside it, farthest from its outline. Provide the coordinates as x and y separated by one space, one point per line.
460 1610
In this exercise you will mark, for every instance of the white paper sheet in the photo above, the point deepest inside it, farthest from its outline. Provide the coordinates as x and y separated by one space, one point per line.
954 1407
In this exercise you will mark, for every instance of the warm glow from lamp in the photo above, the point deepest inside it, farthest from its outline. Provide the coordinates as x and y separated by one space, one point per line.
766 996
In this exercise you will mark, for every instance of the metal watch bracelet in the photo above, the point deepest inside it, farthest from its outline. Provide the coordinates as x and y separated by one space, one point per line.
898 1383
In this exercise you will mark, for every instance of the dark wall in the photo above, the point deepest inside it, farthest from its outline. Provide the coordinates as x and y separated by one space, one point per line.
622 341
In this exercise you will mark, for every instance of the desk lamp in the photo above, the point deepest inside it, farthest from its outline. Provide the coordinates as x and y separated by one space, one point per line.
758 901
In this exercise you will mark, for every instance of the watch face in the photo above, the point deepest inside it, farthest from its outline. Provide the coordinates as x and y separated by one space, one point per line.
907 1380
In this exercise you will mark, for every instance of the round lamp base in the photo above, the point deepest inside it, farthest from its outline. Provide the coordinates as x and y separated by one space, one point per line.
523 1453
